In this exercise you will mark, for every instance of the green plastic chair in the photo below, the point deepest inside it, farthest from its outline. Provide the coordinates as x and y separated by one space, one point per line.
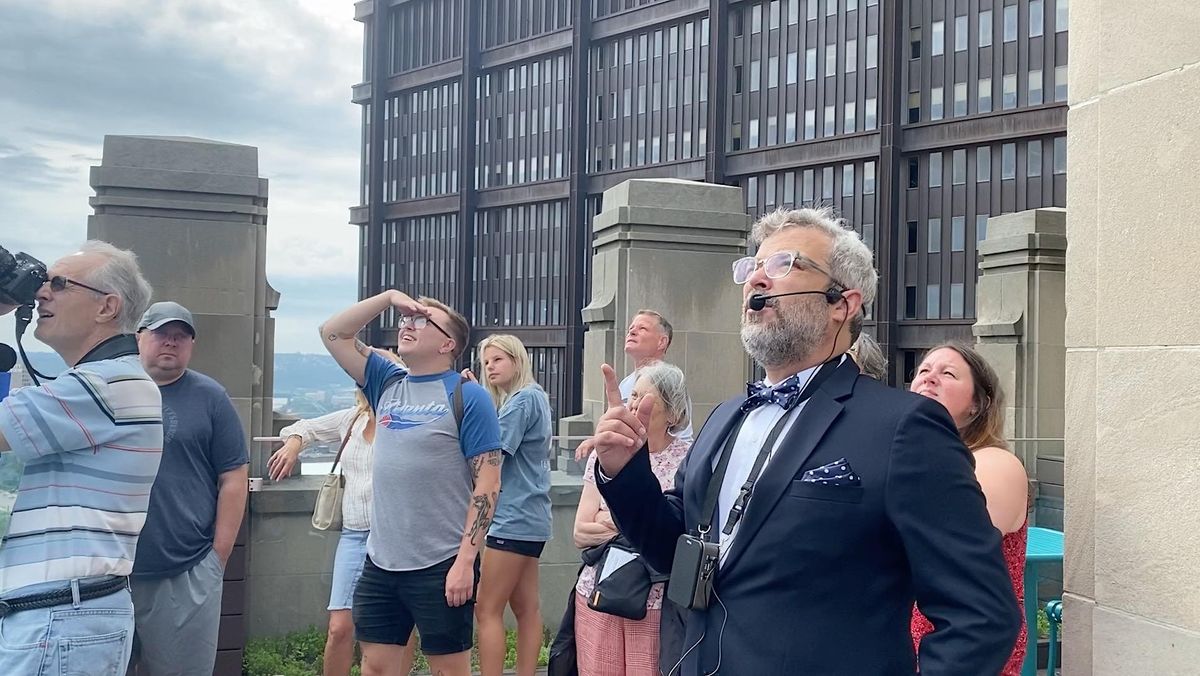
1054 614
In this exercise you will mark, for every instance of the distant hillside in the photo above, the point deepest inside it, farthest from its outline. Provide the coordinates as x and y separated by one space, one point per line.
294 372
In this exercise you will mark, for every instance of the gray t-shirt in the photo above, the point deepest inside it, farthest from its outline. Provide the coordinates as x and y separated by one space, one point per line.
523 512
202 439
420 475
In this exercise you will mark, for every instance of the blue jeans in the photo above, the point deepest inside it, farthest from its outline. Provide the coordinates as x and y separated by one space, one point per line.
90 638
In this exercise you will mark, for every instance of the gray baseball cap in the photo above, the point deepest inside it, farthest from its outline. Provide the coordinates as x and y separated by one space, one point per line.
165 312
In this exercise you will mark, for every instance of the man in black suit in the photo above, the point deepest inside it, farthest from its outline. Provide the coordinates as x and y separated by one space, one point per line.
863 499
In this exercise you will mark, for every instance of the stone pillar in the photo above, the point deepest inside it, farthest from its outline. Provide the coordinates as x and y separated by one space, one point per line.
666 245
1132 605
1021 312
195 212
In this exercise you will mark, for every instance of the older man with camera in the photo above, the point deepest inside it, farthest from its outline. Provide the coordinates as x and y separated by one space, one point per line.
91 441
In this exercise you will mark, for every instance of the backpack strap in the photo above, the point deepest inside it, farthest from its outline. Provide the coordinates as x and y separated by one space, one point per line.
458 403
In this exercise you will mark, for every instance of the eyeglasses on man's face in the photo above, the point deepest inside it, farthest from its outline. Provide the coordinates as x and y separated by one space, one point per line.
58 284
775 266
418 322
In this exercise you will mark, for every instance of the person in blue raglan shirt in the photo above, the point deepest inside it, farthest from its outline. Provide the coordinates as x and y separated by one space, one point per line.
436 480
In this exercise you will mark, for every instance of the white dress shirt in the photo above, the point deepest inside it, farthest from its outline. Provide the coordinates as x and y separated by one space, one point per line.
750 440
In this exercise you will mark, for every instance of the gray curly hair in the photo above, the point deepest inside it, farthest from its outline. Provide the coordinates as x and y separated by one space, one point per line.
668 380
850 261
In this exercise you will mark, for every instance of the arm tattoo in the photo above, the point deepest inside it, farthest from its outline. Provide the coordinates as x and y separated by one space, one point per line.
362 348
492 458
483 516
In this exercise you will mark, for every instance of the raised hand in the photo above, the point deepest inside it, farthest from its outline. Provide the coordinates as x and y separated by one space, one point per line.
469 375
584 449
406 305
620 433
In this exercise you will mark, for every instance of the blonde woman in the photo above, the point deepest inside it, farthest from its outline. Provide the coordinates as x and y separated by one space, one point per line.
358 422
521 526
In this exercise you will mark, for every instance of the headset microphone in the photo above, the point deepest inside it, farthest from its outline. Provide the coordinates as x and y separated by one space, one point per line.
758 301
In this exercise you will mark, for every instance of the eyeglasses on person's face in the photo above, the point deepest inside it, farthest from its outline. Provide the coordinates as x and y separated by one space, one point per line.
58 283
775 266
418 322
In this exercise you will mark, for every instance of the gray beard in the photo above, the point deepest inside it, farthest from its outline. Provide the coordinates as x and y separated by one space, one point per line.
793 335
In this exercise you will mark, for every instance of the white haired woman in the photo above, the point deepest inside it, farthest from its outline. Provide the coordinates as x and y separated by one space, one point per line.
521 526
608 645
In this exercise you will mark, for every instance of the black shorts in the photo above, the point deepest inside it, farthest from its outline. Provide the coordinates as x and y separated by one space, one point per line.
531 548
388 603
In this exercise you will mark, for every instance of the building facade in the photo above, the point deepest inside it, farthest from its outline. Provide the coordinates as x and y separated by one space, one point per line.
492 127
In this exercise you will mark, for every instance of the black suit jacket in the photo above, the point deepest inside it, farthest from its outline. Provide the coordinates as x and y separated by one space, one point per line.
821 579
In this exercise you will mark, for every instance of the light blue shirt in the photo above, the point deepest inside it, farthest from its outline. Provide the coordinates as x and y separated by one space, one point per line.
523 510
91 442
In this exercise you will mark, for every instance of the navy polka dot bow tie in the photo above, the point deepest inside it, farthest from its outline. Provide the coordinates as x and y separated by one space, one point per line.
785 394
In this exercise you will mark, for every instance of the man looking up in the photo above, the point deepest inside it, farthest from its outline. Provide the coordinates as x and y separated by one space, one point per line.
646 342
435 480
91 441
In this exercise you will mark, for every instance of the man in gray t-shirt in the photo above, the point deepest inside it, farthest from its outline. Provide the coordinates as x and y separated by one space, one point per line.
435 481
196 506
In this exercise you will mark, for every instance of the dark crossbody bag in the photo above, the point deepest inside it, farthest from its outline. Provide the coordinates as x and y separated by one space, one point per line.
625 591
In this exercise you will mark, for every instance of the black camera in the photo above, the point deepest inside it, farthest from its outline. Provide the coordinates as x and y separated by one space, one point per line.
20 277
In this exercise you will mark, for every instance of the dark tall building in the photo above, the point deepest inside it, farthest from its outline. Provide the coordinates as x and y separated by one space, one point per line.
492 127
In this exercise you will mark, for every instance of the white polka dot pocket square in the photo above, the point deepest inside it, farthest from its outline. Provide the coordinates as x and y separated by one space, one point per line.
837 473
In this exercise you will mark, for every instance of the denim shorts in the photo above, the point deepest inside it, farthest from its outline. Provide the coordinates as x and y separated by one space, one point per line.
92 637
387 604
347 568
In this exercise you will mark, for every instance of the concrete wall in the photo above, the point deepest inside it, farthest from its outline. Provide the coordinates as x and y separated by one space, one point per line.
666 245
1021 312
195 213
1132 604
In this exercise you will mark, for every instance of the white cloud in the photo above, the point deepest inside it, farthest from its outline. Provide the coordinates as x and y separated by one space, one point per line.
268 73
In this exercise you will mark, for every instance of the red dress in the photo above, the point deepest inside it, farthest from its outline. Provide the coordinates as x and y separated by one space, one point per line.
1013 545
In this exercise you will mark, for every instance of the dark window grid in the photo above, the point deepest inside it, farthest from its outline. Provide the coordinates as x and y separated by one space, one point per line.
542 146
991 63
425 33
784 98
758 188
991 197
512 243
429 164
423 258
639 127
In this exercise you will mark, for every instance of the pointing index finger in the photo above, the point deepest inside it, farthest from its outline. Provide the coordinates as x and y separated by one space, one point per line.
612 390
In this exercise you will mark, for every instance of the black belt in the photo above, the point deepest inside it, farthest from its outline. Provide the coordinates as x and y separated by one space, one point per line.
58 597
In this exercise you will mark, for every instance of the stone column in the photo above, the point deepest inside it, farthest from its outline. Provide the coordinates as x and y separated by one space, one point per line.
1132 605
666 245
195 212
1021 312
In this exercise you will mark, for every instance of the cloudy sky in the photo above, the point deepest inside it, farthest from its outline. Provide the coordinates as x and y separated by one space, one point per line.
275 74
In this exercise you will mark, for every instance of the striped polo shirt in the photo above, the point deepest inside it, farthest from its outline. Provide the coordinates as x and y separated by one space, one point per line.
91 441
